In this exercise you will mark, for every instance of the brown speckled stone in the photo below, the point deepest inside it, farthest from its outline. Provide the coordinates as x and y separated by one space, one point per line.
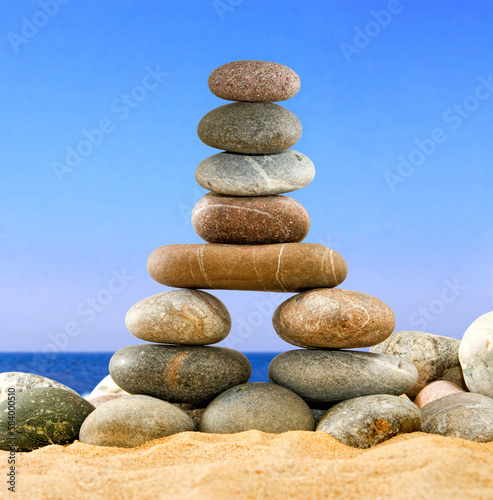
251 128
436 390
189 317
250 220
287 267
179 374
333 318
258 81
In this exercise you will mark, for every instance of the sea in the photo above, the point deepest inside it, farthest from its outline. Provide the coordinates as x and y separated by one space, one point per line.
83 371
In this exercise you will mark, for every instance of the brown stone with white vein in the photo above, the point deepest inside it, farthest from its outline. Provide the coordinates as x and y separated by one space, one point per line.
287 267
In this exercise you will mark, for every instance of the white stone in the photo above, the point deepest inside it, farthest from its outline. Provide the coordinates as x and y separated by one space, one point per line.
476 355
105 387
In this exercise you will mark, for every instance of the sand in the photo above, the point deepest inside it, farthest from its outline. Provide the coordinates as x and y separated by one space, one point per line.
255 465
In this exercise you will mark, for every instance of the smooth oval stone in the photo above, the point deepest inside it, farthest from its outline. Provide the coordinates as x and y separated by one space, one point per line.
22 381
179 374
43 416
101 400
258 405
463 415
333 319
106 387
257 81
434 391
250 221
287 267
435 357
366 421
132 421
320 376
235 174
189 317
247 127
476 355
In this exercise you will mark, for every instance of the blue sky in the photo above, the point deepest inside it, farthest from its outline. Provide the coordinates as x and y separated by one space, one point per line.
396 105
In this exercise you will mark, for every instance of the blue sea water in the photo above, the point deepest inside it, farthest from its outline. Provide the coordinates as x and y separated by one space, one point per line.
83 371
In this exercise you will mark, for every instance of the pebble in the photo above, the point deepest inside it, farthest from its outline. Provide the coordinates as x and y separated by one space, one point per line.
131 421
256 220
189 317
272 268
369 420
476 355
434 391
101 400
22 381
43 416
321 376
256 81
179 374
463 415
106 387
258 405
435 357
339 319
251 128
255 175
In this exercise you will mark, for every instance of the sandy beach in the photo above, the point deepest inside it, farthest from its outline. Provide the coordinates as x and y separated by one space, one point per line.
256 465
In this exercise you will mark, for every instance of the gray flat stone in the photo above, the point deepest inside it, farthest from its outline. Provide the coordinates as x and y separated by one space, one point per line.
235 174
369 420
435 357
258 405
323 376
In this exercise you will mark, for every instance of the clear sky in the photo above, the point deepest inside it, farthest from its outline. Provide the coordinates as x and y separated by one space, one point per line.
396 105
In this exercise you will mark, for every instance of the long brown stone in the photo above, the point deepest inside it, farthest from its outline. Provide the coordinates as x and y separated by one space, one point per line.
288 267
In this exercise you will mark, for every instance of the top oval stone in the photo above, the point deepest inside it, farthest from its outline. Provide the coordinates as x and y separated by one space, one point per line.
254 81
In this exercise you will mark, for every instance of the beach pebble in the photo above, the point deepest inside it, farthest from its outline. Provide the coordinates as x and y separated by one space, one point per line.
255 175
43 416
368 420
334 319
321 376
101 400
257 81
476 355
193 411
435 357
190 317
434 391
463 415
286 267
258 405
179 374
133 420
251 128
250 220
23 381
106 387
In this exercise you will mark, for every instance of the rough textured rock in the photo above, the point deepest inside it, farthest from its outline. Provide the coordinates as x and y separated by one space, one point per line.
193 411
189 317
259 405
179 374
251 128
101 400
476 355
22 381
42 416
463 415
107 387
255 220
133 420
255 81
435 357
434 391
366 421
287 267
321 376
235 174
334 319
